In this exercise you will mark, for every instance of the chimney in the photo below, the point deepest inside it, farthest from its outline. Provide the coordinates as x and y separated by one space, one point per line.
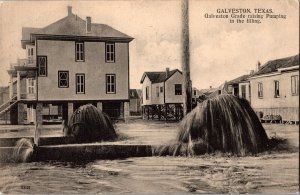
167 72
88 24
70 10
258 66
251 72
210 87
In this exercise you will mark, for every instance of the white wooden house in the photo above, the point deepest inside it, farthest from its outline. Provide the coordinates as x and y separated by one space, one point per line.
275 89
69 63
162 94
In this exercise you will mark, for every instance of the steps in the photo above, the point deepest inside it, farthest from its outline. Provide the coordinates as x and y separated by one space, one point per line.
8 105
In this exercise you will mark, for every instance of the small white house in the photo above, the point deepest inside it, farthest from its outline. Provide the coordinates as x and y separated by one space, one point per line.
162 94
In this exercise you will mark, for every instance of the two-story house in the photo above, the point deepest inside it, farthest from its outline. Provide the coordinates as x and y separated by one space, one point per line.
275 89
72 62
162 94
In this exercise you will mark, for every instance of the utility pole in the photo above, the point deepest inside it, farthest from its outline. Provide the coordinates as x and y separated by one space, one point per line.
187 84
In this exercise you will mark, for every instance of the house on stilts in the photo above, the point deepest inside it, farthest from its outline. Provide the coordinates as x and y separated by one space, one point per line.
70 62
162 95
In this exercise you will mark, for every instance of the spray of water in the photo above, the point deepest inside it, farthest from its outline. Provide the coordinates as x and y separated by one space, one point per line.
224 123
88 124
23 151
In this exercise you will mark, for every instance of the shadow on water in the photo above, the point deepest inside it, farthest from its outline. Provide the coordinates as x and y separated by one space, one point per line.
224 124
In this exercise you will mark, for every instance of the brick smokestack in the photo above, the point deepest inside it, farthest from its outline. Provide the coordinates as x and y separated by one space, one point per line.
70 10
88 24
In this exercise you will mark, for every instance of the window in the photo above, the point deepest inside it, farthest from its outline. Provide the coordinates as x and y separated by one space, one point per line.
243 88
230 89
260 90
80 83
276 89
195 92
110 83
63 79
295 85
30 85
157 91
79 51
178 89
147 93
42 66
161 89
109 52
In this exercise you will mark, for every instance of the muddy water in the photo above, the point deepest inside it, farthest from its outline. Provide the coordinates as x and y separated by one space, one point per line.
275 172
267 173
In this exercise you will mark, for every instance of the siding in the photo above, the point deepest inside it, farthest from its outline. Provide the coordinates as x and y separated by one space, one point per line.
160 98
61 56
176 78
146 83
287 105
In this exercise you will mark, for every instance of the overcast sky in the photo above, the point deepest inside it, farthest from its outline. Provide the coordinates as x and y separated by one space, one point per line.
219 50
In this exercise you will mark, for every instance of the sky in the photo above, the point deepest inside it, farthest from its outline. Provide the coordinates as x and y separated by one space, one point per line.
219 51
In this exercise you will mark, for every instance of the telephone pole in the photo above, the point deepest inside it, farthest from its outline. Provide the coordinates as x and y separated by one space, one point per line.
187 84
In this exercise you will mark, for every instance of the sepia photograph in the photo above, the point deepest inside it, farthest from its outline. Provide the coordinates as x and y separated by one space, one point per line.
149 97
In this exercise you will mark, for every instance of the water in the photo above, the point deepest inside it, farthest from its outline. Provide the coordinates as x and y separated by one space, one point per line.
270 172
224 123
23 150
266 173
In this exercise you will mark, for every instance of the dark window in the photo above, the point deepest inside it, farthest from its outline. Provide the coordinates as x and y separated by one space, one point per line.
161 89
109 52
178 89
195 92
260 90
42 66
276 89
110 83
79 51
147 93
63 79
80 83
295 84
243 91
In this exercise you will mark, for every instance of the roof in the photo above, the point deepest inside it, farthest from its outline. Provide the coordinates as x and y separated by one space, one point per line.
158 77
134 93
240 79
273 65
73 25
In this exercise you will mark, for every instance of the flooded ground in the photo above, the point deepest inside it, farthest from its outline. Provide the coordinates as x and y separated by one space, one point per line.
270 172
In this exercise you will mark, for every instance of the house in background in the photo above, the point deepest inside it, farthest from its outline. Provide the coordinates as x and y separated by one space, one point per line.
162 94
275 89
71 62
239 87
195 96
135 101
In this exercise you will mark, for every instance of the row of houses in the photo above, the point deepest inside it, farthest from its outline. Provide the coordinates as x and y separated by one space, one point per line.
72 62
272 90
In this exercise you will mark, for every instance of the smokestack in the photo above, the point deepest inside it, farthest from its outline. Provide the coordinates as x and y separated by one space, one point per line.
210 87
167 72
258 66
70 10
88 24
